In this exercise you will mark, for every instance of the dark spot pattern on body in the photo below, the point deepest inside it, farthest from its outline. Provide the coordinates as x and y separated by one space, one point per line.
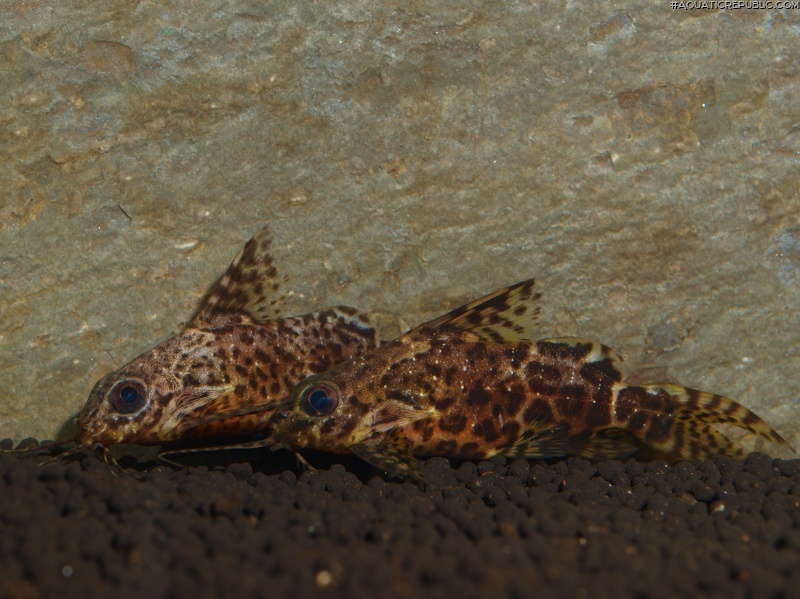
573 401
328 427
514 400
637 421
542 378
598 413
510 432
401 394
600 372
427 427
471 449
476 352
446 447
453 423
433 369
660 428
516 354
486 429
444 403
449 375
537 409
565 351
477 395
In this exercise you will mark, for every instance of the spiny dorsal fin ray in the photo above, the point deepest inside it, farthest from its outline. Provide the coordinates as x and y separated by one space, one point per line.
507 315
249 287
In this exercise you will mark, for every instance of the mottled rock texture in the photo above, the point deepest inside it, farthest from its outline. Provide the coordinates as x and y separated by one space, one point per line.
642 162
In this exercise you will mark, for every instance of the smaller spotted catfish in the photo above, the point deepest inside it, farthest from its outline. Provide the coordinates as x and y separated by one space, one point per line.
234 355
473 384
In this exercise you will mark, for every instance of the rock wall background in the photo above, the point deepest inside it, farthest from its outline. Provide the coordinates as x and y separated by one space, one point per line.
641 162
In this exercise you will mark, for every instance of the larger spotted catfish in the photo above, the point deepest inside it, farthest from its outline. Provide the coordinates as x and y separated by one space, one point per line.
473 384
235 354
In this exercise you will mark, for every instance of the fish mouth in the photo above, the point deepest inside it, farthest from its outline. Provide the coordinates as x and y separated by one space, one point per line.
92 437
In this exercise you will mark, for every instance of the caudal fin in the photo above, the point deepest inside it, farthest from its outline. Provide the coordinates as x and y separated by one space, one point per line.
679 421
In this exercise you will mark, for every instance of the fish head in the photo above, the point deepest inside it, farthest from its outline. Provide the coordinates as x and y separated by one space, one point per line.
146 401
350 403
322 412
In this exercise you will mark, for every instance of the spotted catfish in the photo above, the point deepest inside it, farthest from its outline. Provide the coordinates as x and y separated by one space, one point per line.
234 354
473 384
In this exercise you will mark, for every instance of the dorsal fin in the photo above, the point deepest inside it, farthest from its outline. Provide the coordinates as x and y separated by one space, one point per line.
249 287
507 315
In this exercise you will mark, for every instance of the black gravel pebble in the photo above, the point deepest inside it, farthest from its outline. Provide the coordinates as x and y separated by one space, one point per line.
570 528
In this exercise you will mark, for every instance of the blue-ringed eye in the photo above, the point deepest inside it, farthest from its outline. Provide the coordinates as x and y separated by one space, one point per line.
127 396
319 400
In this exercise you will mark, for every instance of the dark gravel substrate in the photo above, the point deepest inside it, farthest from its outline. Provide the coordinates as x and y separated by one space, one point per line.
523 529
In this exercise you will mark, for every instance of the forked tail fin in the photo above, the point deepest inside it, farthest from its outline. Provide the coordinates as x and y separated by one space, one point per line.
686 428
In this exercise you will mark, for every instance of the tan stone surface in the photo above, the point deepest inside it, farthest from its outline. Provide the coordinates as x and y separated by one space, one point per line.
642 162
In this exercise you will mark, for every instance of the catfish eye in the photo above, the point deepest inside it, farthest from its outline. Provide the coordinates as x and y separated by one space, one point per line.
128 396
319 400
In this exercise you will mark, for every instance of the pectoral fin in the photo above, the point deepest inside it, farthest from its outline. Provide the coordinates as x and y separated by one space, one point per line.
188 424
192 400
395 414
391 454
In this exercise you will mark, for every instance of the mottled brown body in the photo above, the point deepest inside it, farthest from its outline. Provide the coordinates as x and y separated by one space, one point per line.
234 355
470 385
